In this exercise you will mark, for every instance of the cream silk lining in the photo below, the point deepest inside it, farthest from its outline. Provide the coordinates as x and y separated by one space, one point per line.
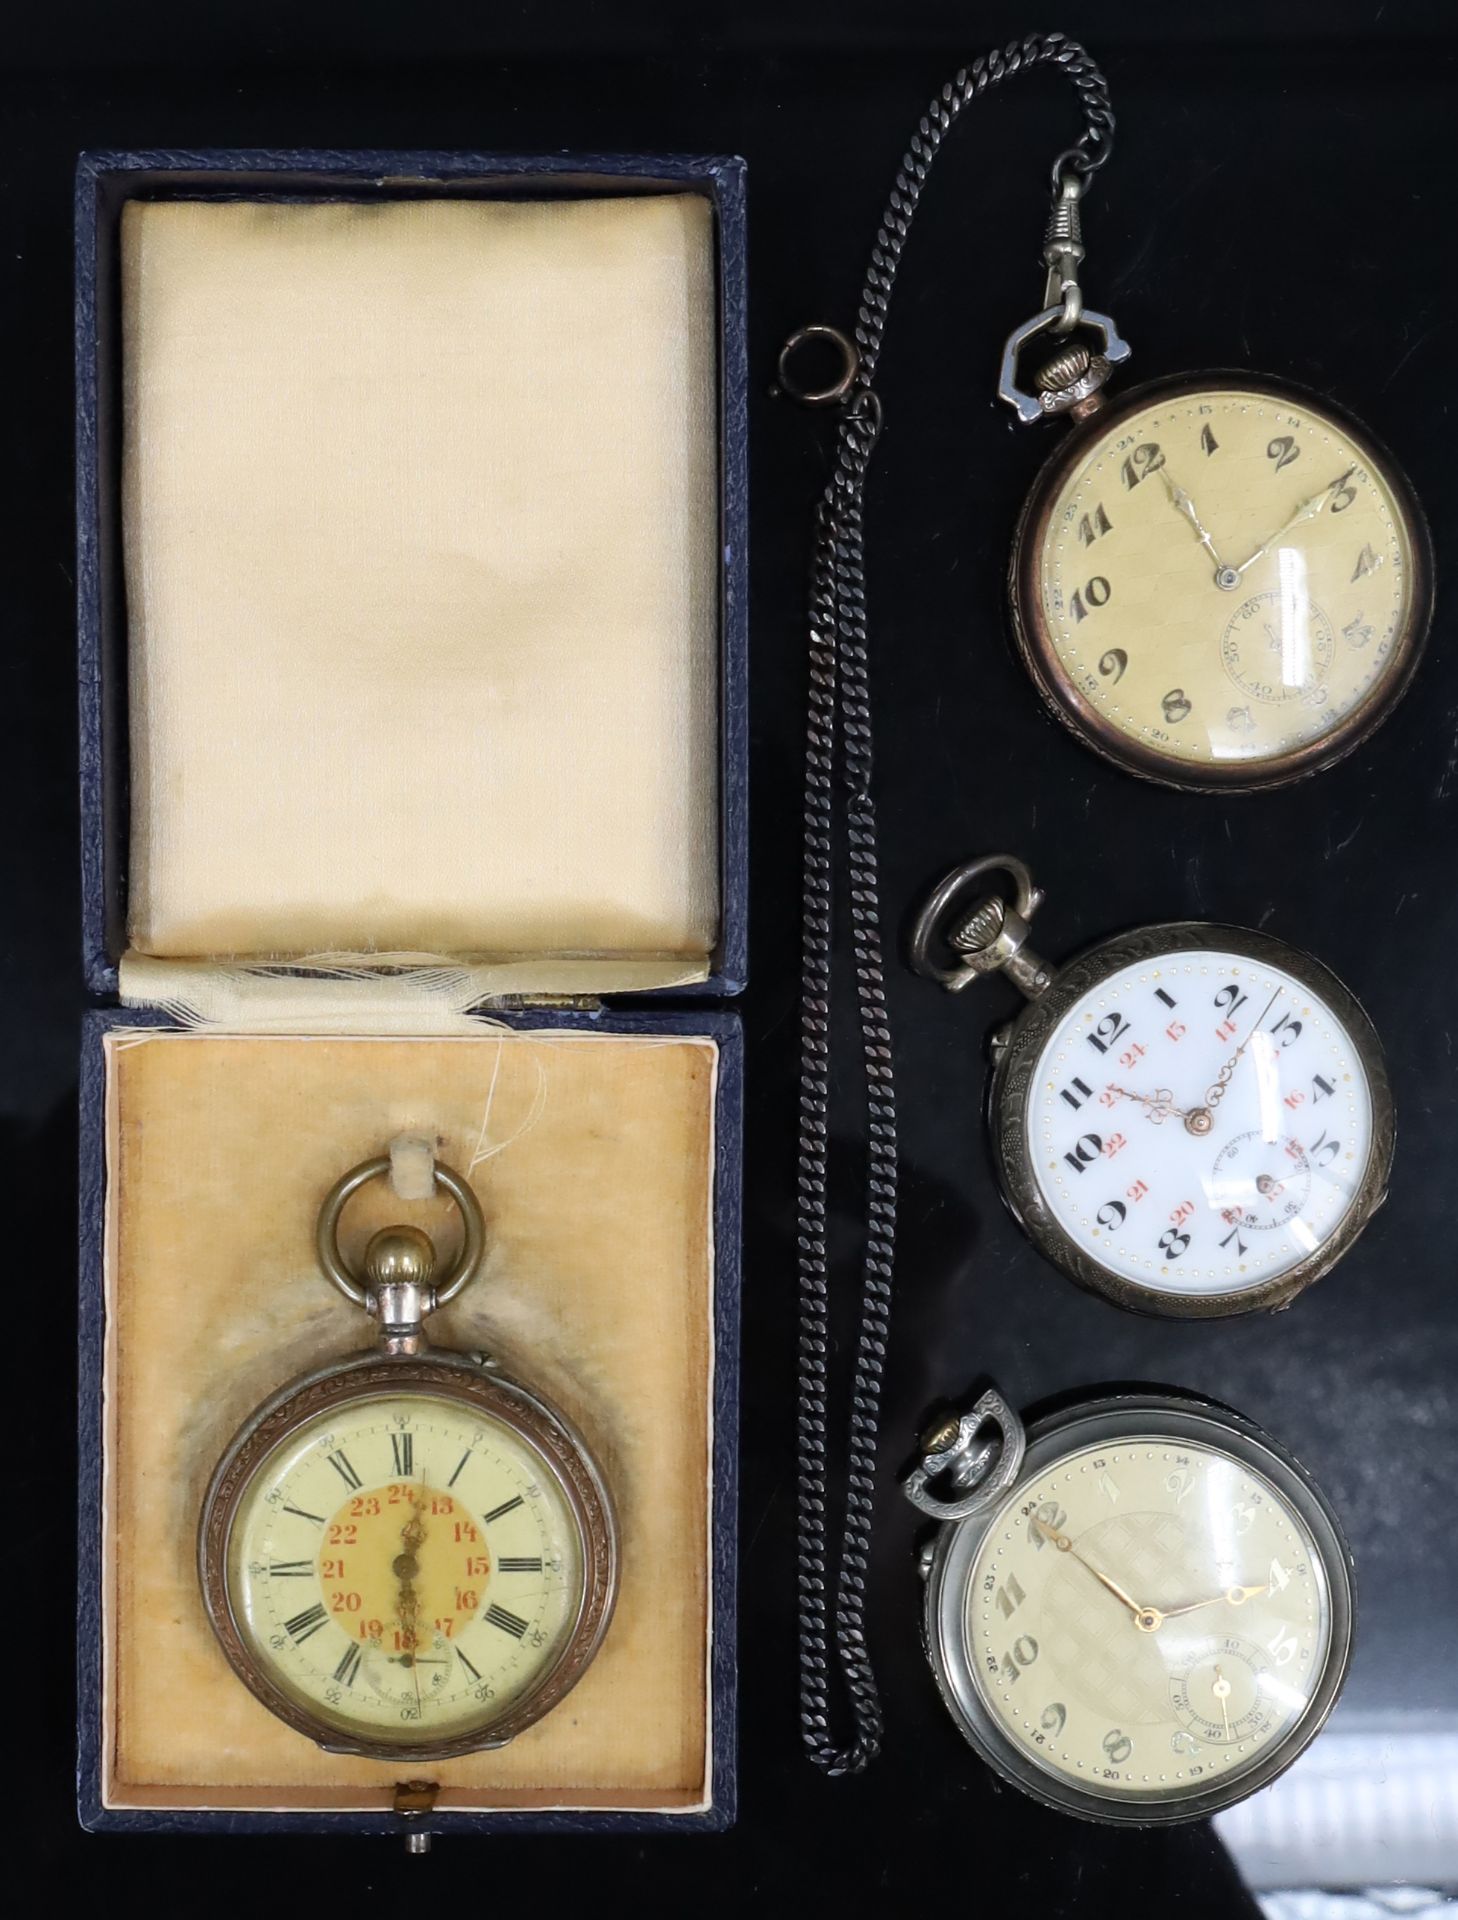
592 1156
420 506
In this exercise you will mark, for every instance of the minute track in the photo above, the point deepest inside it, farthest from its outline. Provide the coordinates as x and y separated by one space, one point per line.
1138 1609
424 1542
1155 1201
1253 656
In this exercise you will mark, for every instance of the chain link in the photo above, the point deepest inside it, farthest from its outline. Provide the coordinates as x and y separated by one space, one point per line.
839 735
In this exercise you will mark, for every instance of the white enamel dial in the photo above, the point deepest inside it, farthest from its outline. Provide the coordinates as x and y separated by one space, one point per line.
405 1567
1199 1123
1147 1617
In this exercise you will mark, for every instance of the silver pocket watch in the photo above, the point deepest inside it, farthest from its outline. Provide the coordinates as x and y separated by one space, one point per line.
1138 1610
1189 1119
406 1554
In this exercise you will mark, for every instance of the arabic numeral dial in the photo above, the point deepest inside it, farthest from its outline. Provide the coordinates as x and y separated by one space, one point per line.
1245 539
1198 1128
1149 1613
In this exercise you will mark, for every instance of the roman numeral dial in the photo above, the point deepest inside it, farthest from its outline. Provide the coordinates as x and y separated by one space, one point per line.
406 1562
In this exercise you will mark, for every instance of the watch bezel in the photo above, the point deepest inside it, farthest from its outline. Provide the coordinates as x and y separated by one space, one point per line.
1016 1071
1124 1417
1063 698
440 1374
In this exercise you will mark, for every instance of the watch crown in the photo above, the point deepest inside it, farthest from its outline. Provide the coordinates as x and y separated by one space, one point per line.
941 1434
980 929
399 1256
1064 369
1071 381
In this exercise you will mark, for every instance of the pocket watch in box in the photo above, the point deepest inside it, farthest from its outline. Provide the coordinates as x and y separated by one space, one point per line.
1140 1610
1189 1119
405 1554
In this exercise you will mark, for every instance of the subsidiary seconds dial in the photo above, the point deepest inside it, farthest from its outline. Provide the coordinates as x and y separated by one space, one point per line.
406 1566
407 1554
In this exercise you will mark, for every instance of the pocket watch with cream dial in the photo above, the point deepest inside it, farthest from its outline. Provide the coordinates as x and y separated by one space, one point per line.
407 1555
1140 1610
1218 581
1189 1119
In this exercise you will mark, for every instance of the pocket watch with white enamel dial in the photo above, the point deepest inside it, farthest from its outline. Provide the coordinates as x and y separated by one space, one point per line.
1189 1119
1217 581
1140 1610
407 1555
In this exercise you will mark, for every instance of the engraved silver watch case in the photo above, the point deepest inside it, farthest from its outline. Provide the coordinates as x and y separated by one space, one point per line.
969 1473
966 930
397 1287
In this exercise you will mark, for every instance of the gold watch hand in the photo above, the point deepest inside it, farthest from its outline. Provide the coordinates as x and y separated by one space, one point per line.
1185 505
1215 1093
406 1567
1161 1104
1146 1618
1220 1687
1232 1596
1305 511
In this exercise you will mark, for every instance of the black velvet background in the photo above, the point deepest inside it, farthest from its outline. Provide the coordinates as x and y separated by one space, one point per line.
1279 199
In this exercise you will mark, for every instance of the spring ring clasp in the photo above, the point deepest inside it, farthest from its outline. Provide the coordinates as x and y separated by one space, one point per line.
839 390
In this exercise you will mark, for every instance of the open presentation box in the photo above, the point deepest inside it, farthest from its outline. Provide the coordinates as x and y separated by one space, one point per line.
412 637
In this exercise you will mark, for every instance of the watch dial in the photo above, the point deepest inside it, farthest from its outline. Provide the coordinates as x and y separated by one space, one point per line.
1226 579
1199 1123
405 1568
1148 1618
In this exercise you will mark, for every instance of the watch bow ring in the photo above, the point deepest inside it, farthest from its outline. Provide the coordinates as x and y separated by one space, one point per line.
395 1242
